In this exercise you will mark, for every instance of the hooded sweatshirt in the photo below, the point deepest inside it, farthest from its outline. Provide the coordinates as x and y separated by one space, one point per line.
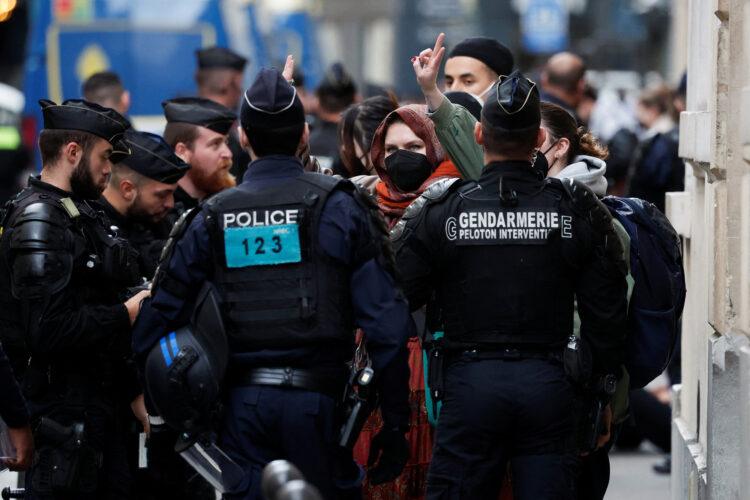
588 170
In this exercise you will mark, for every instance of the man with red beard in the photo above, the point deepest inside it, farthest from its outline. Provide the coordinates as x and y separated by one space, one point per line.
140 193
197 130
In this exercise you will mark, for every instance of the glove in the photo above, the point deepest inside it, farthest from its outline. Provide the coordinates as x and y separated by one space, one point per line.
395 454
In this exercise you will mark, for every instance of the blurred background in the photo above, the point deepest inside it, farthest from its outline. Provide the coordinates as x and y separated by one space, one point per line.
49 47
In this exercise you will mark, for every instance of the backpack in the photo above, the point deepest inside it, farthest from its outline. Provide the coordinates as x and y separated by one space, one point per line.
658 296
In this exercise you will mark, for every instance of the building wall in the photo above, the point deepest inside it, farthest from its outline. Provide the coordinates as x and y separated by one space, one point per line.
711 456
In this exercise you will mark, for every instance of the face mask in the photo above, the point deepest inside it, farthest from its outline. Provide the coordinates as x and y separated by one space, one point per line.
407 169
480 97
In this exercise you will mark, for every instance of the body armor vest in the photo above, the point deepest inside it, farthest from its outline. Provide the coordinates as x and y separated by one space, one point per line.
277 285
507 283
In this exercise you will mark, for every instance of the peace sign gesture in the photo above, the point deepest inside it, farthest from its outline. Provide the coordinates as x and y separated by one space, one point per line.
427 74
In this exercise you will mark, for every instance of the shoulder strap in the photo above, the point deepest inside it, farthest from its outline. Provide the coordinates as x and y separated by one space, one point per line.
435 193
162 279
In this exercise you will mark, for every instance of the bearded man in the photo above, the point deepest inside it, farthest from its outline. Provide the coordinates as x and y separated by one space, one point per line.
197 131
140 193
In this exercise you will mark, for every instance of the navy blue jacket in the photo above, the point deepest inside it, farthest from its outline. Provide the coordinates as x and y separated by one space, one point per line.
12 406
344 228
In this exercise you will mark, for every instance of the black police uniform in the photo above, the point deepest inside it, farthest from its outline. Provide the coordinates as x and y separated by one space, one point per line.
298 261
12 406
506 256
63 274
151 157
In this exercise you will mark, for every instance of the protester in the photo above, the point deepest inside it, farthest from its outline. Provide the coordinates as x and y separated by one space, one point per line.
356 130
656 167
474 64
335 94
563 81
408 158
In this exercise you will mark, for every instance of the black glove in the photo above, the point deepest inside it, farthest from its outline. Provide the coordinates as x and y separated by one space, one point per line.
395 448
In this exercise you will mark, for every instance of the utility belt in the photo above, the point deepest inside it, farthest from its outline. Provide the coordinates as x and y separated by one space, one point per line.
574 357
292 378
64 460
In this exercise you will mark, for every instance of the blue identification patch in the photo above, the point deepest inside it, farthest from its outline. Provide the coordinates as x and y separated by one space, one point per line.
262 245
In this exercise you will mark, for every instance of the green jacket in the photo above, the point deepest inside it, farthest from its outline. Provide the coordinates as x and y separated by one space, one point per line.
454 127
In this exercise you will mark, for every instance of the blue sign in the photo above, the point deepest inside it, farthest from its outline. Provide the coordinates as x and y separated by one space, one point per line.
154 64
262 246
544 26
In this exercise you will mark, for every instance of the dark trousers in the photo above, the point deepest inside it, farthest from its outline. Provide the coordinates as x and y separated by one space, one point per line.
499 410
262 424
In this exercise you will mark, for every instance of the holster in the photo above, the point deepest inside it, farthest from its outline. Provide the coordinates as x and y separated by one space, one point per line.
64 461
358 403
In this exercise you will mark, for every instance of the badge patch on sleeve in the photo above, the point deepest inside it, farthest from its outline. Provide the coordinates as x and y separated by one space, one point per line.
506 227
262 246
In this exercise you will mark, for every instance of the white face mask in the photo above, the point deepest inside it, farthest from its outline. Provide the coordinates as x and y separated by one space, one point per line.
480 97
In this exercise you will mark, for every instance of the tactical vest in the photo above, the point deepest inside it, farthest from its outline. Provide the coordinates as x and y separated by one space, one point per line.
278 287
506 284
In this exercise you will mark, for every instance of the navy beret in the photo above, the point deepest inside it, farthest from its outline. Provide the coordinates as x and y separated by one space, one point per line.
513 103
271 102
466 100
220 57
77 114
199 111
488 50
152 157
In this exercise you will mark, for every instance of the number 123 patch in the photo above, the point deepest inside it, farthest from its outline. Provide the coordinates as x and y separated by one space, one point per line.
262 246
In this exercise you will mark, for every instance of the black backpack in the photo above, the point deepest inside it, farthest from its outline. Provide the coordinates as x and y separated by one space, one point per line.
658 296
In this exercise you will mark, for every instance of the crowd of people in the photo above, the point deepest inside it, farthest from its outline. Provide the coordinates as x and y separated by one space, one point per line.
456 243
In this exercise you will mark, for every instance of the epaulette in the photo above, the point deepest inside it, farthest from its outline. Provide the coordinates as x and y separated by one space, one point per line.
435 192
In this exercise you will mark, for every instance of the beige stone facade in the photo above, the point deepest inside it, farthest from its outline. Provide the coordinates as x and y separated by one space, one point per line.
711 427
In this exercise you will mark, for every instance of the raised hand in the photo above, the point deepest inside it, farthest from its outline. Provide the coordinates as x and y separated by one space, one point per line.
288 68
427 74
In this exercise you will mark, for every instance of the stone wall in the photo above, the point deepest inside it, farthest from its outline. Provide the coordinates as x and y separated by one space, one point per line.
711 456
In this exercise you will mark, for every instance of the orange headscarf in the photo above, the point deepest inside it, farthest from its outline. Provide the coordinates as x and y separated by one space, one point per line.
391 199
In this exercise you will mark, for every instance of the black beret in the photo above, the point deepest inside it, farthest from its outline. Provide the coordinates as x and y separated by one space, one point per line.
199 111
152 157
220 57
270 103
513 103
488 50
77 114
466 100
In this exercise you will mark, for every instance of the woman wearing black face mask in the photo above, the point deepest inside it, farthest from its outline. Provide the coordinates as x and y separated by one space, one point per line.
408 158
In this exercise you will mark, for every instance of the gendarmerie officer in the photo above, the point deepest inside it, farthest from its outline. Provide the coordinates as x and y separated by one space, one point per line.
63 276
197 130
219 78
506 256
139 194
298 260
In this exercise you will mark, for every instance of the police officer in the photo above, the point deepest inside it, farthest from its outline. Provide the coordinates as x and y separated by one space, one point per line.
219 78
62 275
298 259
506 255
197 130
139 194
